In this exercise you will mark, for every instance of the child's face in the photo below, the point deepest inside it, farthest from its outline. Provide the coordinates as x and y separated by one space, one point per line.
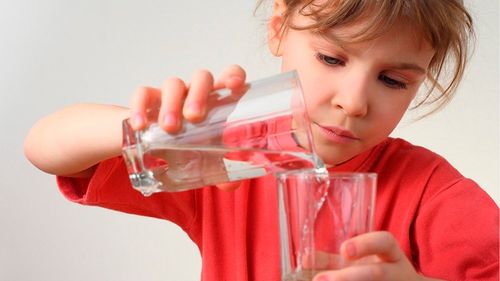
356 93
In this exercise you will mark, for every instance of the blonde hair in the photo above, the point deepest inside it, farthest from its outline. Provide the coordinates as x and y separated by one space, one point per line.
445 24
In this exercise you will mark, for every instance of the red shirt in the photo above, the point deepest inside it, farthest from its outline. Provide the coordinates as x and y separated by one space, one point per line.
445 223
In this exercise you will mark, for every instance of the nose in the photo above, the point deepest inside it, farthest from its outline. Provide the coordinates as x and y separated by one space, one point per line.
351 93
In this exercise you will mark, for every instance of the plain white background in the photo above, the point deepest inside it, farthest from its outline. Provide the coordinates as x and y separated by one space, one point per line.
54 53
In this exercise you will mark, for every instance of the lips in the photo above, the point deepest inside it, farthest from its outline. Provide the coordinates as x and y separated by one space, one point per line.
337 134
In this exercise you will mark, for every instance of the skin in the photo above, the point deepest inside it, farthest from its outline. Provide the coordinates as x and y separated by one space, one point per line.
73 140
361 90
358 92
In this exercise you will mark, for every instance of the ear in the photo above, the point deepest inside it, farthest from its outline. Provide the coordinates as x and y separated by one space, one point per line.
275 28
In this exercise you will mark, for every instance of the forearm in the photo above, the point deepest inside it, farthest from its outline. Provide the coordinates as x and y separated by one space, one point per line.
74 139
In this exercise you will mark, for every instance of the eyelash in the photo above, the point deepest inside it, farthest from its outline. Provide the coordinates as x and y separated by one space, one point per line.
389 82
324 59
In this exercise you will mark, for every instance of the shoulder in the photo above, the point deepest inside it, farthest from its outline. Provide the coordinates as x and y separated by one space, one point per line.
406 151
418 170
422 173
400 156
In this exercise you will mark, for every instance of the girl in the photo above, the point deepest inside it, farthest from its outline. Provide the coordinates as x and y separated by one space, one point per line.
361 64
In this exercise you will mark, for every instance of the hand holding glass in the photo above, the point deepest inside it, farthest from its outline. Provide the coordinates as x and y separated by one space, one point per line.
260 130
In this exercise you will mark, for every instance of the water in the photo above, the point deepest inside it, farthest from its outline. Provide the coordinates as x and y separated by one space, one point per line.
302 275
298 243
168 168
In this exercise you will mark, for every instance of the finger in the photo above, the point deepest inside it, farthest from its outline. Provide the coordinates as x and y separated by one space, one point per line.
173 92
379 243
143 99
232 77
322 261
196 101
367 272
229 186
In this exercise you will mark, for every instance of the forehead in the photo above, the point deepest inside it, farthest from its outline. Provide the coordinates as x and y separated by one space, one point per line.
371 17
362 28
400 33
401 44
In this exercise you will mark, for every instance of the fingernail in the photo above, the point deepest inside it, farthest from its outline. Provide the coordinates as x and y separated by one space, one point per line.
321 278
350 250
137 120
170 120
234 80
194 108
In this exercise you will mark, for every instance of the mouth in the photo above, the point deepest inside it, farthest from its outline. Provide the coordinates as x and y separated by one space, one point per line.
337 134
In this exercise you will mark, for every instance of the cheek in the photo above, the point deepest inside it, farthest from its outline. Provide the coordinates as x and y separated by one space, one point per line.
290 62
308 79
317 93
388 113
296 55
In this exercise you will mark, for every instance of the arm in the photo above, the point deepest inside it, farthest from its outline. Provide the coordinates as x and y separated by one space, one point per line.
73 140
70 142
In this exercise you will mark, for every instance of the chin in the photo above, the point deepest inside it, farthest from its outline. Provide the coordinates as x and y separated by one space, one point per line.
333 157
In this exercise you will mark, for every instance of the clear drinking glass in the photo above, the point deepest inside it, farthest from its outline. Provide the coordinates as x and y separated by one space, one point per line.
261 129
317 213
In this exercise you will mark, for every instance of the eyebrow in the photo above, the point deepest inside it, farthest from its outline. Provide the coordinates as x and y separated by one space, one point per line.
410 66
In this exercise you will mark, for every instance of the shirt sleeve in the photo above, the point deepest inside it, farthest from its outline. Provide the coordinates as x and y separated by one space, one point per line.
110 188
457 234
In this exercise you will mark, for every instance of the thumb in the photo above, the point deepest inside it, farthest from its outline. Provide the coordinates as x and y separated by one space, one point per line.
229 186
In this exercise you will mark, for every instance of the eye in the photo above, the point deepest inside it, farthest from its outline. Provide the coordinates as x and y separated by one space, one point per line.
330 61
391 83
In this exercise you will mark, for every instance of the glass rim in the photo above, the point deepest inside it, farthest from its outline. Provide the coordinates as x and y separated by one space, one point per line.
301 173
